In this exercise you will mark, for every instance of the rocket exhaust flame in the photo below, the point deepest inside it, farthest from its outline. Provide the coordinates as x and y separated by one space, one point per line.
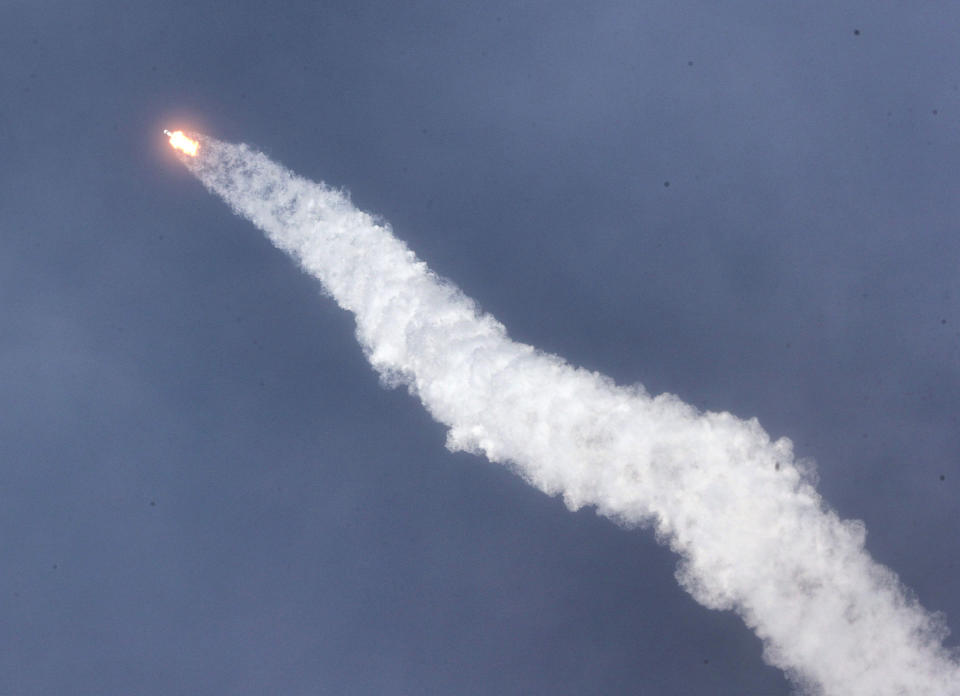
752 533
181 142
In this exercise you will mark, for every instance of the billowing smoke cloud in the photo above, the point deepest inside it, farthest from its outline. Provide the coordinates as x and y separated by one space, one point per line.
751 532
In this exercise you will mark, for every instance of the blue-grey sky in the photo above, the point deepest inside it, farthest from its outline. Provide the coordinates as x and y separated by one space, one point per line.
204 488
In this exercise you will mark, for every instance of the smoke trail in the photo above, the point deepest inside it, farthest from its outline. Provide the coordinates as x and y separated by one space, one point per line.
752 533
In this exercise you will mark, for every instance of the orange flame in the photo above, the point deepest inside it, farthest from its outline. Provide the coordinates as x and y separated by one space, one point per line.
184 144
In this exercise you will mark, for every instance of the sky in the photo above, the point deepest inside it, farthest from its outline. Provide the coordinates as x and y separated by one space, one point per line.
204 487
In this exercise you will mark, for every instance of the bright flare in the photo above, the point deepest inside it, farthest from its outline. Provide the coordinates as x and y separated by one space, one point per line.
183 143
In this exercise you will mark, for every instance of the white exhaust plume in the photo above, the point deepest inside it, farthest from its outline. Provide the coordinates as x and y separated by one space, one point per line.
752 533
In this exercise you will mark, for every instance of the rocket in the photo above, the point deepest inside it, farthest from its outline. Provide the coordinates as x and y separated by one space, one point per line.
181 142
